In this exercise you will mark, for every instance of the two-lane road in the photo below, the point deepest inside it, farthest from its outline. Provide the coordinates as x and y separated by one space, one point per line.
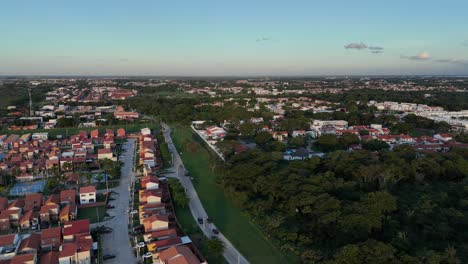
231 254
117 242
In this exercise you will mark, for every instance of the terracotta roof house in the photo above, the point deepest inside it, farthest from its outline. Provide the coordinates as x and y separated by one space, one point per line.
109 133
156 222
68 197
33 201
105 154
51 257
75 228
150 182
83 134
30 244
9 245
17 204
68 213
25 220
5 224
178 255
164 244
49 213
24 259
94 133
121 132
67 253
160 234
12 214
53 199
3 203
150 196
51 238
87 194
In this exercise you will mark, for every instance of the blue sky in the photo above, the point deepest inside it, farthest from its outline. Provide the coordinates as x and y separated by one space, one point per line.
235 37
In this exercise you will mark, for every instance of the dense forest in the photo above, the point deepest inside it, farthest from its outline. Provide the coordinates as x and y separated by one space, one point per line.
359 207
366 206
17 93
452 101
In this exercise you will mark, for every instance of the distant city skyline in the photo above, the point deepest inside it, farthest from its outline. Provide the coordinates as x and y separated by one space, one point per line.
234 38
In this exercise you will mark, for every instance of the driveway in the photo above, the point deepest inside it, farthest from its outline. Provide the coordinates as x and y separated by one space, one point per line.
118 242
230 254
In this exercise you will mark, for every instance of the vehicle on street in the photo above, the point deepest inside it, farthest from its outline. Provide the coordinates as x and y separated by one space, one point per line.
108 256
215 231
200 220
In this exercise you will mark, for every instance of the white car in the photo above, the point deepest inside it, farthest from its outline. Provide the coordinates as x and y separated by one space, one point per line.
141 244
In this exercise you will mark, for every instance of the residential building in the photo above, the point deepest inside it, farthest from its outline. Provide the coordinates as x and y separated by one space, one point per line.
87 194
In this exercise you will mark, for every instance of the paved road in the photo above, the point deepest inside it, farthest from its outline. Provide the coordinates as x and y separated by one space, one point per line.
117 242
230 254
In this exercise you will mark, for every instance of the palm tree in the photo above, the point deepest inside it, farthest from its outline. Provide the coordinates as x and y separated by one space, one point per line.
88 176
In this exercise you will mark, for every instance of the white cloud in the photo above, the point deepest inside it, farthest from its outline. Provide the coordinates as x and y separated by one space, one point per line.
375 48
358 46
454 61
262 39
421 56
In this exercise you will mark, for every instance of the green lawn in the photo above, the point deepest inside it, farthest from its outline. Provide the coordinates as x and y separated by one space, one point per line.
228 218
92 213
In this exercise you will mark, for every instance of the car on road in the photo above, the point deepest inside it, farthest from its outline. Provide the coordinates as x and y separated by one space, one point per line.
108 256
200 220
215 231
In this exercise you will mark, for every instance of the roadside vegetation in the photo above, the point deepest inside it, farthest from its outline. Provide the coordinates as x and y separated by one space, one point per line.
190 227
204 167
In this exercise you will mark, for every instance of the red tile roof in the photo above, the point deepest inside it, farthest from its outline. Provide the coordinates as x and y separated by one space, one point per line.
6 240
51 232
68 250
50 257
87 189
76 227
31 242
178 255
31 200
21 259
3 203
68 196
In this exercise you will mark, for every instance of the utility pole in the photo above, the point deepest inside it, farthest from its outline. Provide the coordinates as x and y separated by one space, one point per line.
30 102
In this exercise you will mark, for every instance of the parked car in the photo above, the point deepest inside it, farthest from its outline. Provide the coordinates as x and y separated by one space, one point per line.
108 256
200 220
215 231
139 227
